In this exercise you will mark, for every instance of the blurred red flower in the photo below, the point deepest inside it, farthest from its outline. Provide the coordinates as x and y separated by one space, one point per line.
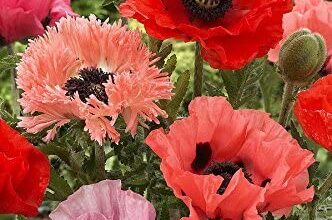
232 164
24 174
232 32
313 110
28 18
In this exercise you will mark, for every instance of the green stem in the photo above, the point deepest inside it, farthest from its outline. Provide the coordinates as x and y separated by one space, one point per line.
198 77
100 161
312 211
15 91
286 105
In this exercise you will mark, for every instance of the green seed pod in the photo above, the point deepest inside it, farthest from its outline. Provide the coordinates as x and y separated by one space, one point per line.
302 56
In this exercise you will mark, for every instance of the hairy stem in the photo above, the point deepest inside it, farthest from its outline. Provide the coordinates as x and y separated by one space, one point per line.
312 211
286 105
198 77
15 91
100 161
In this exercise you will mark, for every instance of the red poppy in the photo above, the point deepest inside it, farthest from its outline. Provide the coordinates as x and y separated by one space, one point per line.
232 32
232 164
313 110
24 173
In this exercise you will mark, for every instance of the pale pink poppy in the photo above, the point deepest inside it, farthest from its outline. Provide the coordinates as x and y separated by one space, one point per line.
90 70
232 164
28 18
315 15
104 200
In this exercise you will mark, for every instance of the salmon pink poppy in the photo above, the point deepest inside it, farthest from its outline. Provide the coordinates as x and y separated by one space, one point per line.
94 72
104 201
24 173
315 15
313 109
23 19
219 25
232 164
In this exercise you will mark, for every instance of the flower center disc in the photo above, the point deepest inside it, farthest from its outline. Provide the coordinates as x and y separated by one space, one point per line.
226 170
90 81
207 10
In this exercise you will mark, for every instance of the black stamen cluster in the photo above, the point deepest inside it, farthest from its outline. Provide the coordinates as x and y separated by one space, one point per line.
207 10
89 82
226 170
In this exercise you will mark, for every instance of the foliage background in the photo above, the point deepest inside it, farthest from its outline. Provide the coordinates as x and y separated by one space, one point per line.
258 86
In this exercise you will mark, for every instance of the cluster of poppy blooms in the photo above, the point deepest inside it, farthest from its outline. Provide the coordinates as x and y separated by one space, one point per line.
215 160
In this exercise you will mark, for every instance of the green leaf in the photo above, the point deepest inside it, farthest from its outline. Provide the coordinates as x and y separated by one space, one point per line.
270 85
9 62
78 158
107 2
59 186
62 153
180 91
164 212
4 114
296 134
242 85
155 44
170 65
164 52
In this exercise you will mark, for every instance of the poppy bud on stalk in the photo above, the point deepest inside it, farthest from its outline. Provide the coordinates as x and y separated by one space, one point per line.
302 56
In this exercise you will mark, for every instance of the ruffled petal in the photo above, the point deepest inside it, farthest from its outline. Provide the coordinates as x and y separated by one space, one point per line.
105 200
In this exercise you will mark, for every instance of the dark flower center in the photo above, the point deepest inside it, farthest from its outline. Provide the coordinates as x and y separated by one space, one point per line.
226 169
207 10
89 82
203 156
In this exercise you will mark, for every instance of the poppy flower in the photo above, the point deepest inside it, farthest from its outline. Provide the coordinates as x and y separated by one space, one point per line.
104 200
313 108
24 173
232 164
315 15
219 25
23 19
95 72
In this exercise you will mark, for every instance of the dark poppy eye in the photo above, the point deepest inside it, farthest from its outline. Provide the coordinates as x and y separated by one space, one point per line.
208 4
207 10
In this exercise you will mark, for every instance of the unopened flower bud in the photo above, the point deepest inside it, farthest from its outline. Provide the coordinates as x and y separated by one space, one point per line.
302 56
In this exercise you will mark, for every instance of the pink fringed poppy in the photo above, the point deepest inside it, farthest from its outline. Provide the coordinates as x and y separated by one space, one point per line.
22 19
24 174
313 109
93 71
315 15
219 25
104 200
232 164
